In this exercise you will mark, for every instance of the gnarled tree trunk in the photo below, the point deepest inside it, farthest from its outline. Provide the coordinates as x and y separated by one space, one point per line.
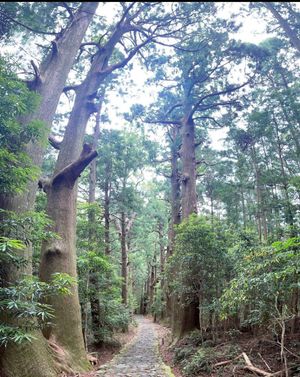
59 255
35 359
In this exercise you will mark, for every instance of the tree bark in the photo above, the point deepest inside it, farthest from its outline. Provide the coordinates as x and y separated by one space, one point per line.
62 202
59 255
259 199
52 75
162 267
93 278
107 191
189 314
175 186
188 158
288 208
124 258
49 83
175 213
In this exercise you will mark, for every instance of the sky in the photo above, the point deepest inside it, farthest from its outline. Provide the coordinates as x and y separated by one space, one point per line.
252 30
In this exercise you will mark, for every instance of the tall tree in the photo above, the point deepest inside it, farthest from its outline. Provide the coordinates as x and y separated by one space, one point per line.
289 29
49 81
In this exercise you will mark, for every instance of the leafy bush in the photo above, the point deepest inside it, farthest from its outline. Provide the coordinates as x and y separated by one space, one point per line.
22 304
16 101
265 276
183 353
200 362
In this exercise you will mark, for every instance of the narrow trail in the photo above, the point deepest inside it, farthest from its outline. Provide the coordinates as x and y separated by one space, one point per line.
140 358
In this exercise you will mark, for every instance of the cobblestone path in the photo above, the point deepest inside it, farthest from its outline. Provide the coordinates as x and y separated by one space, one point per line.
140 358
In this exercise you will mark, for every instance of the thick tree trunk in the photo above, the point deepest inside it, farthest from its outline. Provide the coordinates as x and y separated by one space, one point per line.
189 314
62 201
34 359
59 255
188 158
49 84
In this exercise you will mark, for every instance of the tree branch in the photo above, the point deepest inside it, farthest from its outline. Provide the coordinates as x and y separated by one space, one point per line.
68 9
211 118
70 87
72 171
228 90
37 73
122 63
163 122
130 223
5 15
54 142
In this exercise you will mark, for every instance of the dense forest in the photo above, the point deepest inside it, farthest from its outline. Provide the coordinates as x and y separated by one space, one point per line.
149 156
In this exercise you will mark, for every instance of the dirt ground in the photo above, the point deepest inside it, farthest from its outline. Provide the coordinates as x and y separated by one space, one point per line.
165 338
263 353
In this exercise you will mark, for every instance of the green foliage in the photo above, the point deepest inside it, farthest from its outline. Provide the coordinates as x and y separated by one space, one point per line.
32 18
265 275
90 233
9 251
23 302
199 258
105 286
199 362
114 317
30 228
25 305
15 102
98 277
193 355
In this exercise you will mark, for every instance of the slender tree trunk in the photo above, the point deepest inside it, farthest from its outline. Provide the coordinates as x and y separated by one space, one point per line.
107 189
124 228
152 281
93 278
243 209
162 267
124 258
288 210
34 359
259 202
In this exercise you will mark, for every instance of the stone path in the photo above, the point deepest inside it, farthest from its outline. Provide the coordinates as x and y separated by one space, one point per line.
140 358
